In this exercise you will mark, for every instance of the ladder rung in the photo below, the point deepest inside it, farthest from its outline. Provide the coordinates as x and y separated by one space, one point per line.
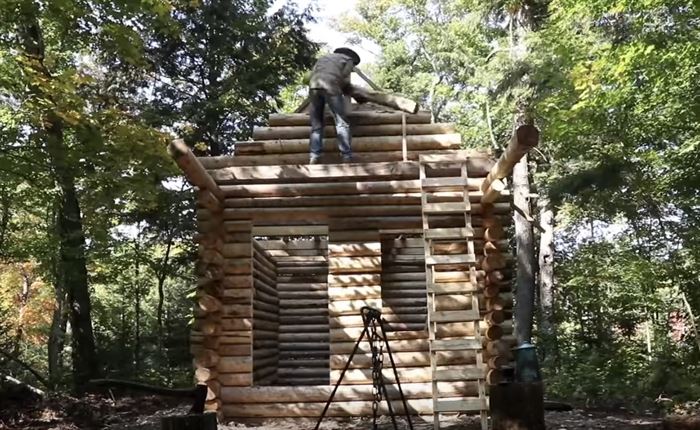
449 233
455 344
459 405
448 207
432 260
446 157
458 182
450 287
454 316
465 373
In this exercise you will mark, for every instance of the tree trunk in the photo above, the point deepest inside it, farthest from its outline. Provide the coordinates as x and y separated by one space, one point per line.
546 278
161 284
72 262
5 201
23 301
57 335
137 307
525 242
72 268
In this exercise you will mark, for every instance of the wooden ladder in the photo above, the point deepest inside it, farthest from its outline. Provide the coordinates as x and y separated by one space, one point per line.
450 263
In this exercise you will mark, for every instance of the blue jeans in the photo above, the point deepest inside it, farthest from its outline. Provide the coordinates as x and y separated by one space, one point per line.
336 103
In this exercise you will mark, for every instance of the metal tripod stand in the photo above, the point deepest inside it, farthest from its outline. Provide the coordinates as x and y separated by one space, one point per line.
372 320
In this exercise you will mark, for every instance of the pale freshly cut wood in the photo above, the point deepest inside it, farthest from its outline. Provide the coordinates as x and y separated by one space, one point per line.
433 260
452 207
455 344
482 164
235 379
234 364
355 118
384 99
460 373
525 138
321 393
454 316
450 287
336 409
326 172
449 233
359 144
461 405
303 131
444 183
291 230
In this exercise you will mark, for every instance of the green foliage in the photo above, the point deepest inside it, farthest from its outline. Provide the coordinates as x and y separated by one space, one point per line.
613 87
115 77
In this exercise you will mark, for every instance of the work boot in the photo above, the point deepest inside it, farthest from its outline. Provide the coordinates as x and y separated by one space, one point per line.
313 160
347 159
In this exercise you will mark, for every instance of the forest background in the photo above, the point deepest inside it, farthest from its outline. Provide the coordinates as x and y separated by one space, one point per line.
96 250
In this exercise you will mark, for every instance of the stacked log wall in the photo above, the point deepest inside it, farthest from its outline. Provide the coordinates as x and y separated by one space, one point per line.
235 368
364 206
303 292
266 327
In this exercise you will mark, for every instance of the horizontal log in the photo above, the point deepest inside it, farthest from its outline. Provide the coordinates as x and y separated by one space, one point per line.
330 188
317 172
407 374
234 350
303 131
355 118
234 364
370 225
321 213
393 101
406 359
334 158
282 395
359 144
236 379
336 409
294 244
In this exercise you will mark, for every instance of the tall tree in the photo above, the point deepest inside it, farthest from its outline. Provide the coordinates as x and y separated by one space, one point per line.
222 72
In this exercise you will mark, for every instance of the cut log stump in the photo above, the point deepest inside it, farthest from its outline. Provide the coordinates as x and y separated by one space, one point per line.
517 406
206 421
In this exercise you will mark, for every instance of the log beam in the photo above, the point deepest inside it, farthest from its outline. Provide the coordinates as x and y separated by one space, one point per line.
193 169
523 140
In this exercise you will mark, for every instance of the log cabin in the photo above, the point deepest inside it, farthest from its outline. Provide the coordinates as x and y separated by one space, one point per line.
416 226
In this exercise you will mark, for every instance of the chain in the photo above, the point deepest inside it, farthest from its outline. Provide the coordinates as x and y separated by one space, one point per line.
377 347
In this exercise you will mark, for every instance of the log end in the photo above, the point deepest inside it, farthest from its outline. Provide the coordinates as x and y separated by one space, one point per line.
177 148
528 136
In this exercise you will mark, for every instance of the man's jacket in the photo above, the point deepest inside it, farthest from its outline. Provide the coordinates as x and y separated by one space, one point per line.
332 74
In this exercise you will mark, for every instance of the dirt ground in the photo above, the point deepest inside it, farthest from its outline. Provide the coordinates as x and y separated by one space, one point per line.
144 413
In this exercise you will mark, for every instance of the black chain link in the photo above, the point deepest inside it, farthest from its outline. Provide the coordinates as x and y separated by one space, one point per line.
377 348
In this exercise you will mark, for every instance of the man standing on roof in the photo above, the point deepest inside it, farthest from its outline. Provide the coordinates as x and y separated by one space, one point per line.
330 80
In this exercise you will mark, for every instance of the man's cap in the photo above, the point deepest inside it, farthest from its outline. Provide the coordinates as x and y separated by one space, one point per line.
350 53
